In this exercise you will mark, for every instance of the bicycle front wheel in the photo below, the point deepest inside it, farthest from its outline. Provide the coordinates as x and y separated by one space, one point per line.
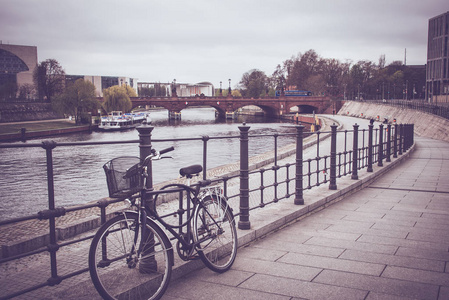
215 234
123 265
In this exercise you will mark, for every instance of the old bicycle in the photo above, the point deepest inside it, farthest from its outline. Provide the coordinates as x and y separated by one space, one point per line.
131 256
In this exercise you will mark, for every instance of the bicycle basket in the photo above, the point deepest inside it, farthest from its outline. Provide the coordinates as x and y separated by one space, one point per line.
122 176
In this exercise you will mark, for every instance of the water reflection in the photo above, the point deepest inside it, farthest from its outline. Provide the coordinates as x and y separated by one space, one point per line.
78 172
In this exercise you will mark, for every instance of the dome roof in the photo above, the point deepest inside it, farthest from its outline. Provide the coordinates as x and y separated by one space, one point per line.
10 63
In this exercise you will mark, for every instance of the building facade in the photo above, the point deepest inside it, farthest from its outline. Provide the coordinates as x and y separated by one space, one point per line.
17 64
437 73
103 82
159 89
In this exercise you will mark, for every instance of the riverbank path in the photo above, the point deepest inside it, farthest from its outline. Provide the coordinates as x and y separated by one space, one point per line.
387 241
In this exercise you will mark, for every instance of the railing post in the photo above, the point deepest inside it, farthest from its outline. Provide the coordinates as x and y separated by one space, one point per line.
333 166
370 147
355 150
401 138
404 138
52 246
299 198
205 139
244 222
145 150
380 146
388 143
409 135
395 144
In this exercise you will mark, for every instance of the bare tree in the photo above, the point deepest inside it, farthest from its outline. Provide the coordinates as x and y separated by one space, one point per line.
49 78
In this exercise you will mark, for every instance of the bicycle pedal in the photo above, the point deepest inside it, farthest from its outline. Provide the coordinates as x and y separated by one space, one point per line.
194 257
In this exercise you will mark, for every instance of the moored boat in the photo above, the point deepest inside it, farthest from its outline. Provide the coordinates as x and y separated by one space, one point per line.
118 120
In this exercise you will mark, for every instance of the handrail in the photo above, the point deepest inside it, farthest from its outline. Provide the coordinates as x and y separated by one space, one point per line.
324 168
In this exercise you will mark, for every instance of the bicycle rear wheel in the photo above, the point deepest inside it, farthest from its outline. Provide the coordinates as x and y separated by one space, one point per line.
121 267
215 234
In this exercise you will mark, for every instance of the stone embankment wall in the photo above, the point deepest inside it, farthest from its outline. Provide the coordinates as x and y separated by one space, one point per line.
426 125
17 112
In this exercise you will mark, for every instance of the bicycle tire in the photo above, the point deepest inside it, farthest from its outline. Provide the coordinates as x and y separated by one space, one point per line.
118 270
215 233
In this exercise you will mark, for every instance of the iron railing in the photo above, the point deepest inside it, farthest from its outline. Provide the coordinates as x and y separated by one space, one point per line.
266 185
438 109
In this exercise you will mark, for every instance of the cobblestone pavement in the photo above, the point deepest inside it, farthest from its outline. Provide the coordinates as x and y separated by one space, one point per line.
253 283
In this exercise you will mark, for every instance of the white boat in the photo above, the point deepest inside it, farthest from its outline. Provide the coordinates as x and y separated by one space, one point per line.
118 120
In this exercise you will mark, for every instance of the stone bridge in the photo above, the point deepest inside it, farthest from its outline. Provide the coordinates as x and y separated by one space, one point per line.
272 107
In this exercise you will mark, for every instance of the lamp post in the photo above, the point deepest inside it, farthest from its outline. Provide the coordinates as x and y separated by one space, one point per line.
174 88
221 91
282 85
406 90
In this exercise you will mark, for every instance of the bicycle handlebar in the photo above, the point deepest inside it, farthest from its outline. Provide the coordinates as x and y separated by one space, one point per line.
156 155
163 151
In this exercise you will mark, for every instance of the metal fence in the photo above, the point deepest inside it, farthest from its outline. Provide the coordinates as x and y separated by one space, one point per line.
438 109
349 152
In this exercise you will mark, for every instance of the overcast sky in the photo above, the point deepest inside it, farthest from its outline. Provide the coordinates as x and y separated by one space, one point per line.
209 40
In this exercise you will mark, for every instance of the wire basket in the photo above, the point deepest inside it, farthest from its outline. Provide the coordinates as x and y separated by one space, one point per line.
122 176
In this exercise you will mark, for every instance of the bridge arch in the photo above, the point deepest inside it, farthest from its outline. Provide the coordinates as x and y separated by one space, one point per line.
272 107
305 109
268 111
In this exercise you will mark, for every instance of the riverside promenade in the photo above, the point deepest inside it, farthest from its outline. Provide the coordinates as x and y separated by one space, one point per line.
386 241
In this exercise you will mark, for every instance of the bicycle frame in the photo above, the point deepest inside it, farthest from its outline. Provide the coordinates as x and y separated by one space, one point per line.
145 210
184 238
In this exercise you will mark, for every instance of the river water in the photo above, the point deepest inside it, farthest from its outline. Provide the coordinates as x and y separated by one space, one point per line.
78 172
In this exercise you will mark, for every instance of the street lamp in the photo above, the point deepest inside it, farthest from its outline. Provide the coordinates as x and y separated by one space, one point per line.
174 88
282 85
221 91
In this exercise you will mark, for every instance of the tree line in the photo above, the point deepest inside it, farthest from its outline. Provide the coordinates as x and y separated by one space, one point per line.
305 71
340 80
77 98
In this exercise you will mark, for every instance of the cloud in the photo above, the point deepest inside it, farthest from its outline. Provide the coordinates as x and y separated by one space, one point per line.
210 40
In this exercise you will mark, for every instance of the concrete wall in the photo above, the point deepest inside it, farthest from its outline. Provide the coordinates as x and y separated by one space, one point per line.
16 112
426 125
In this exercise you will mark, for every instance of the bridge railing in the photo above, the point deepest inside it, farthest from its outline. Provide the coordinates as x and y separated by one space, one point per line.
287 175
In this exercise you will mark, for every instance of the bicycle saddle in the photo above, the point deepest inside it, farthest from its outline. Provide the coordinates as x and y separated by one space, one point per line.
190 170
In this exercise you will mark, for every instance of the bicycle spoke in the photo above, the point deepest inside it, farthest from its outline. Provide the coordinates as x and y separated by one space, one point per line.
119 271
215 234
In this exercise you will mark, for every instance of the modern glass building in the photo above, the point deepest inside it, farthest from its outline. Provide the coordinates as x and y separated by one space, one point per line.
437 73
103 82
17 64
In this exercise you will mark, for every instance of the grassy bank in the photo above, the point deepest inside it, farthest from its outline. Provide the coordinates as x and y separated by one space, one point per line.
9 128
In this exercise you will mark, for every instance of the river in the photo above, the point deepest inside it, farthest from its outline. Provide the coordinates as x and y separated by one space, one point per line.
78 172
